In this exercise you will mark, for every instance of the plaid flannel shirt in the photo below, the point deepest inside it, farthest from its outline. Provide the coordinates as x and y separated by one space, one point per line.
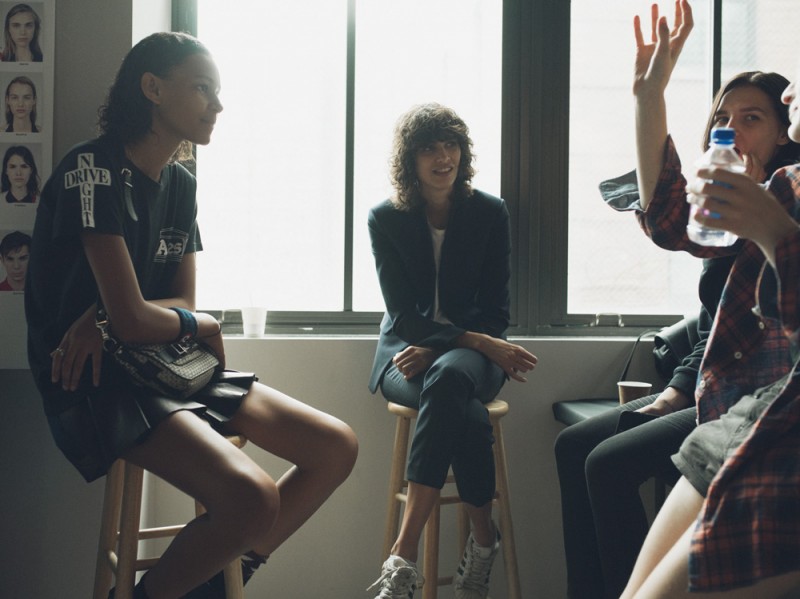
739 331
749 527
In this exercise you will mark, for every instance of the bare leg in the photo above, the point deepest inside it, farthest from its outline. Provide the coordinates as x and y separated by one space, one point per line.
241 499
670 579
676 515
420 502
246 509
322 448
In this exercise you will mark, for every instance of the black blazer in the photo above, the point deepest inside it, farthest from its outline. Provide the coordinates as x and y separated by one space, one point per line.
473 275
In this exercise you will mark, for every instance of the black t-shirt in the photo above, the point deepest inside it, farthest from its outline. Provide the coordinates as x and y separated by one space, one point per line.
85 192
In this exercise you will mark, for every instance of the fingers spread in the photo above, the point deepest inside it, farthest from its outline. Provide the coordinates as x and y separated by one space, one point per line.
653 21
637 31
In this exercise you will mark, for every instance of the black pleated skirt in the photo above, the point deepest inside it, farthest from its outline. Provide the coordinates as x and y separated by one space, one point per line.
96 426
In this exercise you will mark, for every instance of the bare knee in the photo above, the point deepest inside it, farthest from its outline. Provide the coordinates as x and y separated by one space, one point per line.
249 503
341 450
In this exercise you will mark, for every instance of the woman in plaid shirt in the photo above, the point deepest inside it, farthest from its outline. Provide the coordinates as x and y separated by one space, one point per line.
731 526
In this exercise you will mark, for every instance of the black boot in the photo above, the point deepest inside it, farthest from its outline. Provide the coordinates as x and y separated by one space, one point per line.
138 591
214 588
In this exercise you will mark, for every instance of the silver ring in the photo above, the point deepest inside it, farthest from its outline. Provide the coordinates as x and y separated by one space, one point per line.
59 351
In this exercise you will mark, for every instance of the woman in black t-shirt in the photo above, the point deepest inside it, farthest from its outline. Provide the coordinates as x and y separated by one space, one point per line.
137 255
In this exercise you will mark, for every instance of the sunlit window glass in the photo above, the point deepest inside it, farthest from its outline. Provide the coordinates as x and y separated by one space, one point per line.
446 51
757 36
613 267
271 190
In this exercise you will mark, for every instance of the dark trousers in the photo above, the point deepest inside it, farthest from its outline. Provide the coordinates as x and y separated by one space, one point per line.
600 473
453 427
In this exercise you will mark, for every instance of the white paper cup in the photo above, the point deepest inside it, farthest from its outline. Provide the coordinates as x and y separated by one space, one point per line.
630 390
254 320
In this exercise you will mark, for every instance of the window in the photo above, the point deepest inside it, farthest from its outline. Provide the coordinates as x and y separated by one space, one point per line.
612 266
275 195
312 90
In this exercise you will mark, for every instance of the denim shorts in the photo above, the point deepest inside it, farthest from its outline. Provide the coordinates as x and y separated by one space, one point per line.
708 446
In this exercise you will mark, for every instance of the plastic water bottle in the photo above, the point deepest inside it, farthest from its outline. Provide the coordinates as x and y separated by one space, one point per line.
722 155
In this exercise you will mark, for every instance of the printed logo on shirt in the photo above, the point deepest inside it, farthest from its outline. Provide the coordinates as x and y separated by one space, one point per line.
85 177
171 245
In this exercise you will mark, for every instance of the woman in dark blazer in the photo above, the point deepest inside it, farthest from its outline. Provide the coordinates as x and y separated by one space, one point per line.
442 256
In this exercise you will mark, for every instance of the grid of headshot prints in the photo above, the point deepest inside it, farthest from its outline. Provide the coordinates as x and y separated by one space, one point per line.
26 147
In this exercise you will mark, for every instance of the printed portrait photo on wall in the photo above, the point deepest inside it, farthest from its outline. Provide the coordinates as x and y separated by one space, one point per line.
15 249
19 180
20 106
21 32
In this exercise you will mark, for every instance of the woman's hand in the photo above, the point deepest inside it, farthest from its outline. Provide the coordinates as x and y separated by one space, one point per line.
514 359
736 203
669 400
754 168
414 360
209 331
655 61
82 341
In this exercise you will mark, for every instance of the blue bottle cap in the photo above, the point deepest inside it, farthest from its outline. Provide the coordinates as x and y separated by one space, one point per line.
725 135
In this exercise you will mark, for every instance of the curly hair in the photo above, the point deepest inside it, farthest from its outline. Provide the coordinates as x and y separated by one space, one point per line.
126 116
772 84
420 126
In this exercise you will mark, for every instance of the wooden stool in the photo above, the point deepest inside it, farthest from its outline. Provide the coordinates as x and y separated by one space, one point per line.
118 549
397 495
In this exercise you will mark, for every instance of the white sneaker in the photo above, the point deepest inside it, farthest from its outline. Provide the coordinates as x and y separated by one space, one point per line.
472 576
398 579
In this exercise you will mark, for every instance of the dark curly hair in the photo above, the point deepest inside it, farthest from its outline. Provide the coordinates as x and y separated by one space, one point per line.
420 126
126 116
772 84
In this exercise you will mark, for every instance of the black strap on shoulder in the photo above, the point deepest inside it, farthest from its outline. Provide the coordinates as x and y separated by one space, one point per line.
633 351
127 191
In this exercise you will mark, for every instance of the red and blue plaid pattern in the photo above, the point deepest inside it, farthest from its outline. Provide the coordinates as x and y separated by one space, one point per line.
749 527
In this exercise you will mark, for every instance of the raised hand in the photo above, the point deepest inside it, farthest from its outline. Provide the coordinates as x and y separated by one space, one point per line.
656 60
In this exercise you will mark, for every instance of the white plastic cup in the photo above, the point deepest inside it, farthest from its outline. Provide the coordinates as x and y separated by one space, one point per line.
254 321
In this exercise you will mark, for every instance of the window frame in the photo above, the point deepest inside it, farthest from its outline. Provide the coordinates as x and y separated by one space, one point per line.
534 180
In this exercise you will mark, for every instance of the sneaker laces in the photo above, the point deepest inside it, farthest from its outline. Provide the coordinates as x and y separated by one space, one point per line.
398 579
475 568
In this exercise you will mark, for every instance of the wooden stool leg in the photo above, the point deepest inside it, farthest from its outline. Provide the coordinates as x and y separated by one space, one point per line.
109 524
504 509
396 479
234 586
430 566
129 531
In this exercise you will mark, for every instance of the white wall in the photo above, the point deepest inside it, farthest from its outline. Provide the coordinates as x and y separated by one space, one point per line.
47 547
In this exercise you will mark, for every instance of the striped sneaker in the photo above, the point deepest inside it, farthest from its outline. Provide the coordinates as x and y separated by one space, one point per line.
398 579
472 576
